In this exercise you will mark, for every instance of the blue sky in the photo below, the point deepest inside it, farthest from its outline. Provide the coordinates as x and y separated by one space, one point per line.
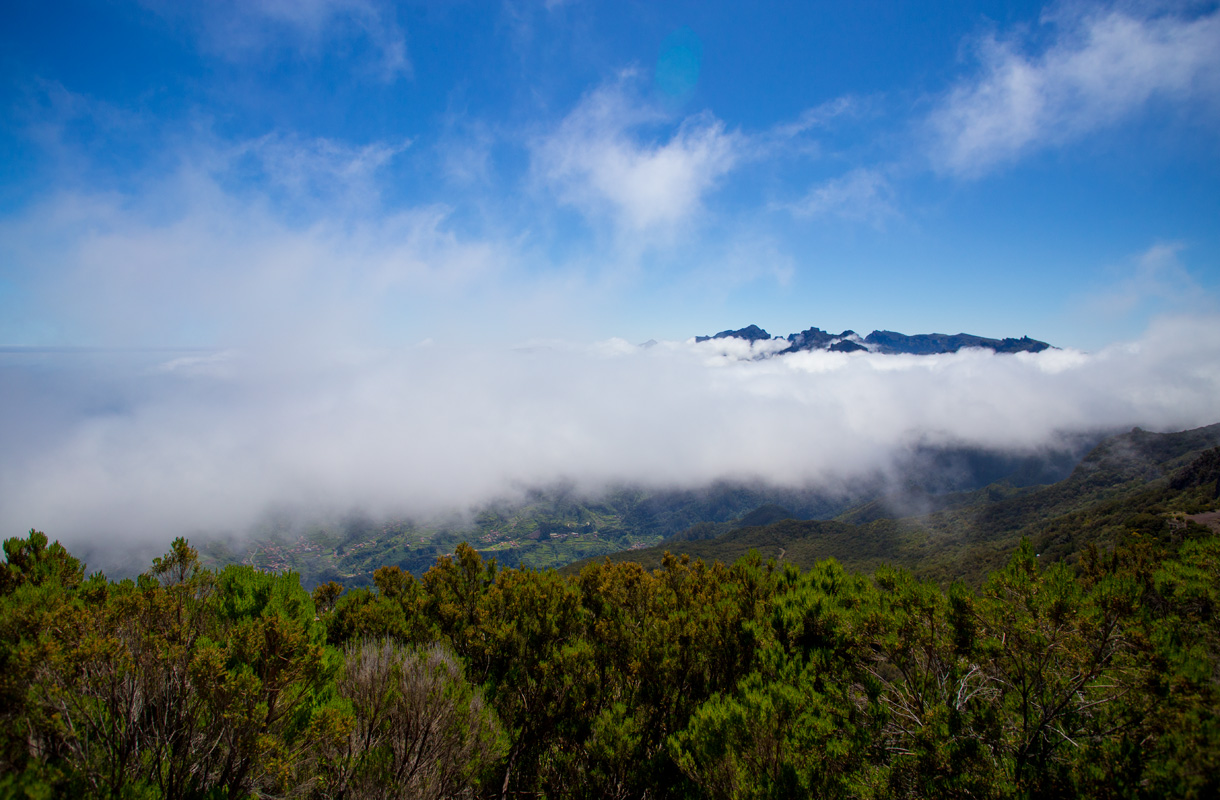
372 172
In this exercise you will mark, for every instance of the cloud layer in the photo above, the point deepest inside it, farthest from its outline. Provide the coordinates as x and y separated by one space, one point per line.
146 446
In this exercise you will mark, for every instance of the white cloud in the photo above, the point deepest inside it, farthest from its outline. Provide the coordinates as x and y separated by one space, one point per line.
1102 65
287 238
1156 279
237 29
465 155
598 160
721 352
815 118
111 445
862 195
192 263
748 259
303 170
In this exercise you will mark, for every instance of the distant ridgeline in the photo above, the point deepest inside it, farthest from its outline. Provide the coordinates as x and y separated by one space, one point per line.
886 342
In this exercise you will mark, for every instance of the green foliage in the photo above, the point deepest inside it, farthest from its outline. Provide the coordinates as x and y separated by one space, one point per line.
31 561
800 724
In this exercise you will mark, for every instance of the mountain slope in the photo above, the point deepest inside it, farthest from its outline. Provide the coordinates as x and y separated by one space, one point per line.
1141 482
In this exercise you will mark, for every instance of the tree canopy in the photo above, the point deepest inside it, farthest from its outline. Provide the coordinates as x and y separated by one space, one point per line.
751 680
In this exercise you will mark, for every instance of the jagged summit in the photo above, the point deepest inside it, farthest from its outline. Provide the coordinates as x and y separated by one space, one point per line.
751 333
886 342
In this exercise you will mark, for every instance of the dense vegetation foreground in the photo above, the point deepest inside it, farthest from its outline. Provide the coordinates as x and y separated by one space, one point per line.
693 680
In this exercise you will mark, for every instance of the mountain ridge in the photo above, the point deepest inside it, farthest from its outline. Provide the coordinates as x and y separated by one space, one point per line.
883 342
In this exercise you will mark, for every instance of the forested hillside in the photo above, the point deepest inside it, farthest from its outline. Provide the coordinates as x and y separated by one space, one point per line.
1137 481
758 679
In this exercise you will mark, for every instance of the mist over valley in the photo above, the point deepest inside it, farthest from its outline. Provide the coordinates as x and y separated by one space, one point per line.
117 450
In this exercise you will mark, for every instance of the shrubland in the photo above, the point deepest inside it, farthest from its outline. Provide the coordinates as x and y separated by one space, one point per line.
1096 677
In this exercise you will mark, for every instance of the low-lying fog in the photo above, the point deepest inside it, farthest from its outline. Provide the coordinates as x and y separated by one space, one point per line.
141 446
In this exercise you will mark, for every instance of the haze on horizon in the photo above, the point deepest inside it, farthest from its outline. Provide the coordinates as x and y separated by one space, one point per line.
347 254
